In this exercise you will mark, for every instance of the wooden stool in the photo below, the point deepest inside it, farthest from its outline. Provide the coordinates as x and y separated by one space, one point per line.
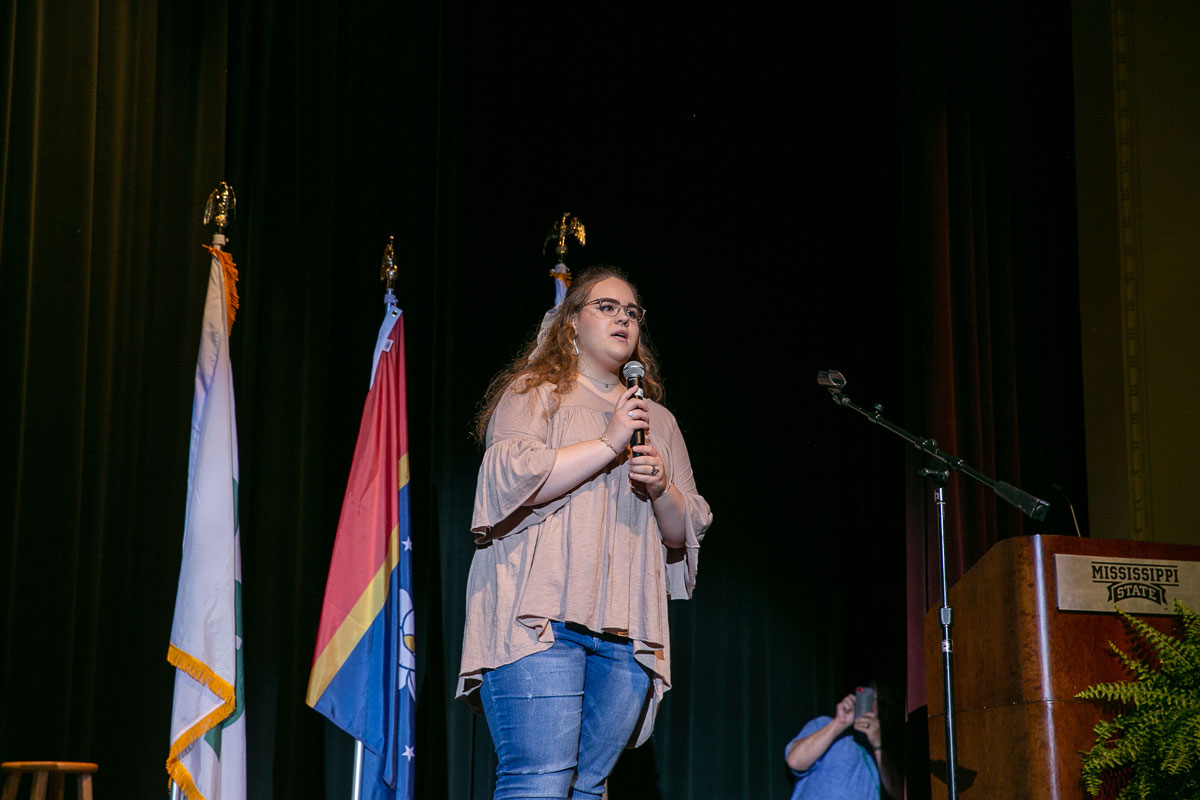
52 772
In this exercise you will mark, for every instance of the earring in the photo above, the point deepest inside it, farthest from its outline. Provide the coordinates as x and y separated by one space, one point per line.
575 347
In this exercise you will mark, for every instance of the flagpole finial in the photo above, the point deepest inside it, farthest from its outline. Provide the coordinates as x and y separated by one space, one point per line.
564 226
220 209
387 272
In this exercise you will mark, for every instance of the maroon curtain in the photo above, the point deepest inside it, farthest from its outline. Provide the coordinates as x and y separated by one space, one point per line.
992 339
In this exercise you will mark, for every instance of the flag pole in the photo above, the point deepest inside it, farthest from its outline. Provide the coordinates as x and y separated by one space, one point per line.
563 227
356 794
387 273
219 210
379 537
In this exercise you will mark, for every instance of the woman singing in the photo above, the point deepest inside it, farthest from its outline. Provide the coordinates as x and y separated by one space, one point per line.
581 539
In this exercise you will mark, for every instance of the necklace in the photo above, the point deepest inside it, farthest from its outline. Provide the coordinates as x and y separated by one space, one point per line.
605 385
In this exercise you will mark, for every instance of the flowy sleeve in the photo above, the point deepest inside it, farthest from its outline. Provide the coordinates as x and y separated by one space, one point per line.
515 465
683 562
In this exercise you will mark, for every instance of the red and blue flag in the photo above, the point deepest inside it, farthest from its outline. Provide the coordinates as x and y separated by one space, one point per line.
363 674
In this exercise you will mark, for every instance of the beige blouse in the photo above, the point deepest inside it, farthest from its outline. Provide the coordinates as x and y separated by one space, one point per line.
592 556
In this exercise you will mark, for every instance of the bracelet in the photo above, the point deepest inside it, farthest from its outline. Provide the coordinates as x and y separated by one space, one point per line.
609 444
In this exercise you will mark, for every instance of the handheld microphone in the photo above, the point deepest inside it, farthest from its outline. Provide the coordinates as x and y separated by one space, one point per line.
633 373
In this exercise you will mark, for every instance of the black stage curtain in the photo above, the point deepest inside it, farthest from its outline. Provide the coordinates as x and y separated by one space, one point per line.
756 179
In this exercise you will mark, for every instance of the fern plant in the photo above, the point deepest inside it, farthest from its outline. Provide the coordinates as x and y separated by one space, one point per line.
1155 740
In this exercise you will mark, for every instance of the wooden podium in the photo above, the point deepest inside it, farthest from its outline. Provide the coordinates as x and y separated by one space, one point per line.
1019 661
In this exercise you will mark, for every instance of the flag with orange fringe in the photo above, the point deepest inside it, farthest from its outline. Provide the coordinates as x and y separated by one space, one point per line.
207 756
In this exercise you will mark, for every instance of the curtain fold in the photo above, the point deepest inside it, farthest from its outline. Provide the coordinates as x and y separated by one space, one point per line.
994 346
86 135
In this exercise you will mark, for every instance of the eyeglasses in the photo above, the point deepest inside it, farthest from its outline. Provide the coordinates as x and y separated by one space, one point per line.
609 308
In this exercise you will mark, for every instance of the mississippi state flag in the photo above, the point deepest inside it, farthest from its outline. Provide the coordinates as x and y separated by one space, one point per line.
363 674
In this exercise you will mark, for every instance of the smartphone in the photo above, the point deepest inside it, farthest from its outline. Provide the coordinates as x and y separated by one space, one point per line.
864 700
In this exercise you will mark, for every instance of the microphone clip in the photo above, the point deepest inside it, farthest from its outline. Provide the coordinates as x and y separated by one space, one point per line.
834 381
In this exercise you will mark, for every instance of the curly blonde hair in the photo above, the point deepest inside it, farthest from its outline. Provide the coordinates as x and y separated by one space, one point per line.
549 356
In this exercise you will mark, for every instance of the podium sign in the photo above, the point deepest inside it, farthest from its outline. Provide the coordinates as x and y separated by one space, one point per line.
1139 585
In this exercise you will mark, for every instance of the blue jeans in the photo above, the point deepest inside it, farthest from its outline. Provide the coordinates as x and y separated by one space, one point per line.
560 718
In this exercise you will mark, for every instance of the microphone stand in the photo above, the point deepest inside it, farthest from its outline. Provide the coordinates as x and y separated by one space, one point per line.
1027 503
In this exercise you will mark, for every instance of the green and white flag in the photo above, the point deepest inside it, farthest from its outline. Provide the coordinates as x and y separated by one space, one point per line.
207 758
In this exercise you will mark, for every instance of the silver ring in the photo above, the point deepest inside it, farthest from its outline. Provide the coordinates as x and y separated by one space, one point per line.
629 414
654 471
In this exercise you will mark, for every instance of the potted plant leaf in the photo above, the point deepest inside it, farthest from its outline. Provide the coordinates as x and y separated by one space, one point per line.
1153 742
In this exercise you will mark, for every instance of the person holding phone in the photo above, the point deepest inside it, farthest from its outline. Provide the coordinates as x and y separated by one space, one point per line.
842 757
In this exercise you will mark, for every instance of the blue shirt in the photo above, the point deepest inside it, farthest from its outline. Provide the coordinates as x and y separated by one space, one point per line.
846 771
